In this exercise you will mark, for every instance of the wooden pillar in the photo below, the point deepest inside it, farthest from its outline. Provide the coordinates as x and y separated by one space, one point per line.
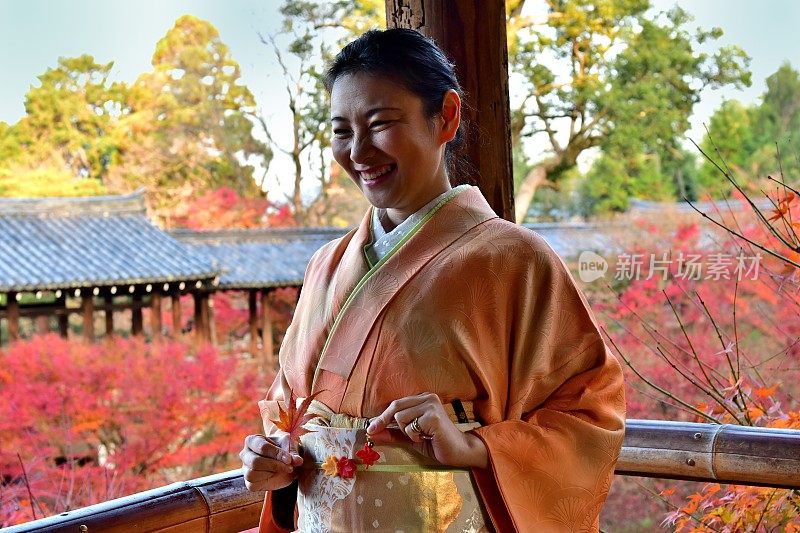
137 323
155 320
63 318
211 326
87 306
473 35
252 316
12 316
177 320
266 331
205 317
42 324
108 299
200 315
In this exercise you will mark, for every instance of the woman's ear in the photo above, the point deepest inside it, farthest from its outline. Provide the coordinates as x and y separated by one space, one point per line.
450 117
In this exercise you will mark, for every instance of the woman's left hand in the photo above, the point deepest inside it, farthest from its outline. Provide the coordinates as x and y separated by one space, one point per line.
446 443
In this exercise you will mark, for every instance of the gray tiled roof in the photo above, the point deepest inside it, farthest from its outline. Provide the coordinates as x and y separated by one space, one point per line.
708 207
61 243
259 258
569 240
263 258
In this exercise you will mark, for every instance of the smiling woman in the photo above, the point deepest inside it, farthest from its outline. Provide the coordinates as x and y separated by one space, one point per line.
457 378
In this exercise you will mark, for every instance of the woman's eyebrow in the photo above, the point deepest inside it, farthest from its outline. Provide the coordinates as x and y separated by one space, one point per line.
375 110
371 112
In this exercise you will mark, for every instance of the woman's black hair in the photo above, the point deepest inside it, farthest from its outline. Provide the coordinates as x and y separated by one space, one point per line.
412 60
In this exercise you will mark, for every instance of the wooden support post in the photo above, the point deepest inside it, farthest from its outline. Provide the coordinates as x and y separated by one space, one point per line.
87 306
155 319
211 327
198 318
473 35
205 317
63 318
266 332
12 316
137 323
252 316
177 320
109 301
42 324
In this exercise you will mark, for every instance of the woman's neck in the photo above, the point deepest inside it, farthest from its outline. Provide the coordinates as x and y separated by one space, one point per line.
391 218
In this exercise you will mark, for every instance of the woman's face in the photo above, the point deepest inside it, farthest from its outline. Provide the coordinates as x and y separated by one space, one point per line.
391 150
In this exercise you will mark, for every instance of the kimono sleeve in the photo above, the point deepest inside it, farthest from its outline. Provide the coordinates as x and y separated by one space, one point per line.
554 434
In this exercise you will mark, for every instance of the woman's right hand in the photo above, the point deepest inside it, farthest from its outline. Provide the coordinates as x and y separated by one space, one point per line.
265 465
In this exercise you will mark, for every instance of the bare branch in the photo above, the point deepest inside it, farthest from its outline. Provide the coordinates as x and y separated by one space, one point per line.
656 387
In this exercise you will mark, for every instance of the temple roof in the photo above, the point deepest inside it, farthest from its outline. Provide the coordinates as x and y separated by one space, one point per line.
61 243
259 258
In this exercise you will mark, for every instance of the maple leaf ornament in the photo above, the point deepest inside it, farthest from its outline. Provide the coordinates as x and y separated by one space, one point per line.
294 418
331 466
367 455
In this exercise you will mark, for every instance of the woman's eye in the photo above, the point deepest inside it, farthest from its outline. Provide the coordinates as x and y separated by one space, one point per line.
379 123
341 132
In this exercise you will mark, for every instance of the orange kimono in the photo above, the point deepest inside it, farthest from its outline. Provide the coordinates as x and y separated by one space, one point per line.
474 308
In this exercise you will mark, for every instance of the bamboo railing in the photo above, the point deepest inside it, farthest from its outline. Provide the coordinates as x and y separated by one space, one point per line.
652 448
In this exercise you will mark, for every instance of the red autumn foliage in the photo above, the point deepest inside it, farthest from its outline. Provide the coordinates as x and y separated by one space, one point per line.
96 422
223 208
725 350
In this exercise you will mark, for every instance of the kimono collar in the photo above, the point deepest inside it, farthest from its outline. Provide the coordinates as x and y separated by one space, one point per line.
383 241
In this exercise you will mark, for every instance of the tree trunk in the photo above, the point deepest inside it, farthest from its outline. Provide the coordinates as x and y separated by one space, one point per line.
527 190
297 196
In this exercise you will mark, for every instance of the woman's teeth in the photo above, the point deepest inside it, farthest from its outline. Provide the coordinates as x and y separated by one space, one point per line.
376 173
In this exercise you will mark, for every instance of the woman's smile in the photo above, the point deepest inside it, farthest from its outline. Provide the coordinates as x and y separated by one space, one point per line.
376 176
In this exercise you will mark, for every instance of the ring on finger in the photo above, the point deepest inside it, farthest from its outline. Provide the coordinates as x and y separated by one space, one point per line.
416 428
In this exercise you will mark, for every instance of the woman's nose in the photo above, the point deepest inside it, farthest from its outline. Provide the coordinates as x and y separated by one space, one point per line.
361 149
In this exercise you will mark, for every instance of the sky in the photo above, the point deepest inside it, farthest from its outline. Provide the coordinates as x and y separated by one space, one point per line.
35 33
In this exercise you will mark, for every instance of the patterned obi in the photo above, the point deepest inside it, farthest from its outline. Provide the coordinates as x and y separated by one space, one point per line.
403 490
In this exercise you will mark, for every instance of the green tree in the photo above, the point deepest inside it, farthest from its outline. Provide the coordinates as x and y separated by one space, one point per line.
598 69
778 126
781 105
63 146
190 129
731 131
749 138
